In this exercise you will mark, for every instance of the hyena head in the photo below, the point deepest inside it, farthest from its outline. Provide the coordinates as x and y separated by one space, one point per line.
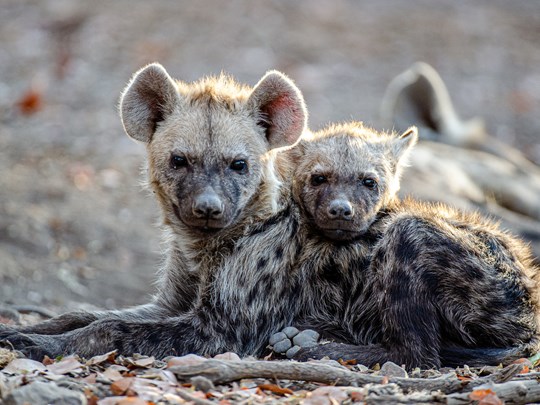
345 174
207 140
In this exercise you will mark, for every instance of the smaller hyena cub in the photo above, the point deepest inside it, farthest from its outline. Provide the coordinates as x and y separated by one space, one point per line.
208 164
425 285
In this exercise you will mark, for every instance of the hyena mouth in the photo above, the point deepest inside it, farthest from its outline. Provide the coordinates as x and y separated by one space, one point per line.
341 234
201 226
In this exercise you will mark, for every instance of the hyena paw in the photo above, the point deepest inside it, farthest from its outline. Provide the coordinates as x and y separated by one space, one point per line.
290 340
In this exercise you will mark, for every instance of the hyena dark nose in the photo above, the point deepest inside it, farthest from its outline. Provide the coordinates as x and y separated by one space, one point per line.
208 205
340 209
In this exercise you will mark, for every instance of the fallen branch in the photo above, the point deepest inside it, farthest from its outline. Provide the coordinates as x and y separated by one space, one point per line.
220 372
511 392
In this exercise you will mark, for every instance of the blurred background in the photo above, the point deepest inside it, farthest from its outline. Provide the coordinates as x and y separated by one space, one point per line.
76 226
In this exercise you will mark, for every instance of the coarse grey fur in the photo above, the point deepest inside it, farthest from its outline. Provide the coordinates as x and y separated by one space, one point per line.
432 286
209 165
420 285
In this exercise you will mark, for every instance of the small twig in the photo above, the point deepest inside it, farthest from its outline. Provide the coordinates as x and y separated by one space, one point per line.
27 309
507 373
220 372
188 397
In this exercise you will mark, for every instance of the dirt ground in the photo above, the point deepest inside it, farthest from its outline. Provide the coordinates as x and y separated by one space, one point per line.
77 228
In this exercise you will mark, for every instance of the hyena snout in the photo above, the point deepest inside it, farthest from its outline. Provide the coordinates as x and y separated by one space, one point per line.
340 209
208 205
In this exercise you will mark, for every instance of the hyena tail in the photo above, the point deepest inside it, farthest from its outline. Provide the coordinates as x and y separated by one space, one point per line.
478 357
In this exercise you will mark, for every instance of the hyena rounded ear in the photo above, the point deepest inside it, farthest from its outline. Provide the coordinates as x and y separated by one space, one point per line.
279 108
148 99
403 143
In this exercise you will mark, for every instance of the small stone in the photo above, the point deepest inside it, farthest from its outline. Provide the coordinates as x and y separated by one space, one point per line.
277 337
361 368
202 383
44 393
290 331
306 338
292 352
390 369
283 346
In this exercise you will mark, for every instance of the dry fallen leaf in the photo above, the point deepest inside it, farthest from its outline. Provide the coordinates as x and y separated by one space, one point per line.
187 360
333 394
120 387
112 374
526 363
485 397
122 400
276 389
346 363
30 102
64 366
21 366
140 362
357 396
107 357
491 399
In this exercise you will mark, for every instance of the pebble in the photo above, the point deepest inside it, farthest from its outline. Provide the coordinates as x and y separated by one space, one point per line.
202 383
44 393
306 338
390 369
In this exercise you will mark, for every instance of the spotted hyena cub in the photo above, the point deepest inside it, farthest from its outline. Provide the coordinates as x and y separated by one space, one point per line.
208 163
417 284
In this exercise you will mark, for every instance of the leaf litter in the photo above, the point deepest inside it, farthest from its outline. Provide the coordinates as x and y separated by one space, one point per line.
112 379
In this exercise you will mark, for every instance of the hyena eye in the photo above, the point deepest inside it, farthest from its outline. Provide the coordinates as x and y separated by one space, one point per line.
239 165
318 179
178 161
369 183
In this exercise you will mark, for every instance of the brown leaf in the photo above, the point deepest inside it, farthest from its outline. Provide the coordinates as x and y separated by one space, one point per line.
64 366
145 362
21 366
120 387
90 379
123 400
187 360
276 389
107 357
112 374
346 363
30 102
480 394
526 363
491 399
47 360
357 396
324 396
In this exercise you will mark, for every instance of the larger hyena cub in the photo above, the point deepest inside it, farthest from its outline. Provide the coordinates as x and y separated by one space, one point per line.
426 285
207 145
